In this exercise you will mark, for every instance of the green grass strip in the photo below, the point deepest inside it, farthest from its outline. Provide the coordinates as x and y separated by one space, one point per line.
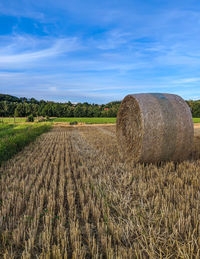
18 137
97 120
12 120
196 120
87 120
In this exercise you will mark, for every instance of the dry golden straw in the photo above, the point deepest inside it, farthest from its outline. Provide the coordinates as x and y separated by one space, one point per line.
154 127
67 195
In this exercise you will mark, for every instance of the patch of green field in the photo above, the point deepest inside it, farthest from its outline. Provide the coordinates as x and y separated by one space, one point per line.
196 120
12 120
97 120
13 137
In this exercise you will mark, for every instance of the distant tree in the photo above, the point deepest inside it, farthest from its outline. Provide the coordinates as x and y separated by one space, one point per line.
28 109
47 110
57 110
35 109
20 110
33 101
5 108
90 111
78 111
23 99
96 111
1 109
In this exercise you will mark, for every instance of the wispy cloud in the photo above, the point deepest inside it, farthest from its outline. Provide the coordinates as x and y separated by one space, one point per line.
112 40
32 51
187 80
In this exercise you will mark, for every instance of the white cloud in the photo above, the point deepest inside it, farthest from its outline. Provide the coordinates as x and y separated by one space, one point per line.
187 80
21 49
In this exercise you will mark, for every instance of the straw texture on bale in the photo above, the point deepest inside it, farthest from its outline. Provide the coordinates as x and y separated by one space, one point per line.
154 127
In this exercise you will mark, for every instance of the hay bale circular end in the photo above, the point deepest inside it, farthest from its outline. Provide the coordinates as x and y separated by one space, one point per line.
154 127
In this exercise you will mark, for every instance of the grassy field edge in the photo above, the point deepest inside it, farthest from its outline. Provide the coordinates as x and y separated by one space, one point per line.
86 120
11 145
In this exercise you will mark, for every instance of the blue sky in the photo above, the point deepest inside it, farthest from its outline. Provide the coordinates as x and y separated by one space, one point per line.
99 51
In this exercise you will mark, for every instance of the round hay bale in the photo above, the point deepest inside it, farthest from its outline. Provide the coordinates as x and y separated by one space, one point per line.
154 127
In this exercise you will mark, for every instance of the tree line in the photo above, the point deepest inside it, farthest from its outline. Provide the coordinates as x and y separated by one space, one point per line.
11 106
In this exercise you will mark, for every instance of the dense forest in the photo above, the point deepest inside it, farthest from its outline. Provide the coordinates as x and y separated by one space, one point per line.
21 107
11 106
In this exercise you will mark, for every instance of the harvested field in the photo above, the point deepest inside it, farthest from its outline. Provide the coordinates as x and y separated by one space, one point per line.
68 195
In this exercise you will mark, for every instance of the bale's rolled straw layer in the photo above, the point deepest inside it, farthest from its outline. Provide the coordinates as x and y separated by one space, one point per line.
154 127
